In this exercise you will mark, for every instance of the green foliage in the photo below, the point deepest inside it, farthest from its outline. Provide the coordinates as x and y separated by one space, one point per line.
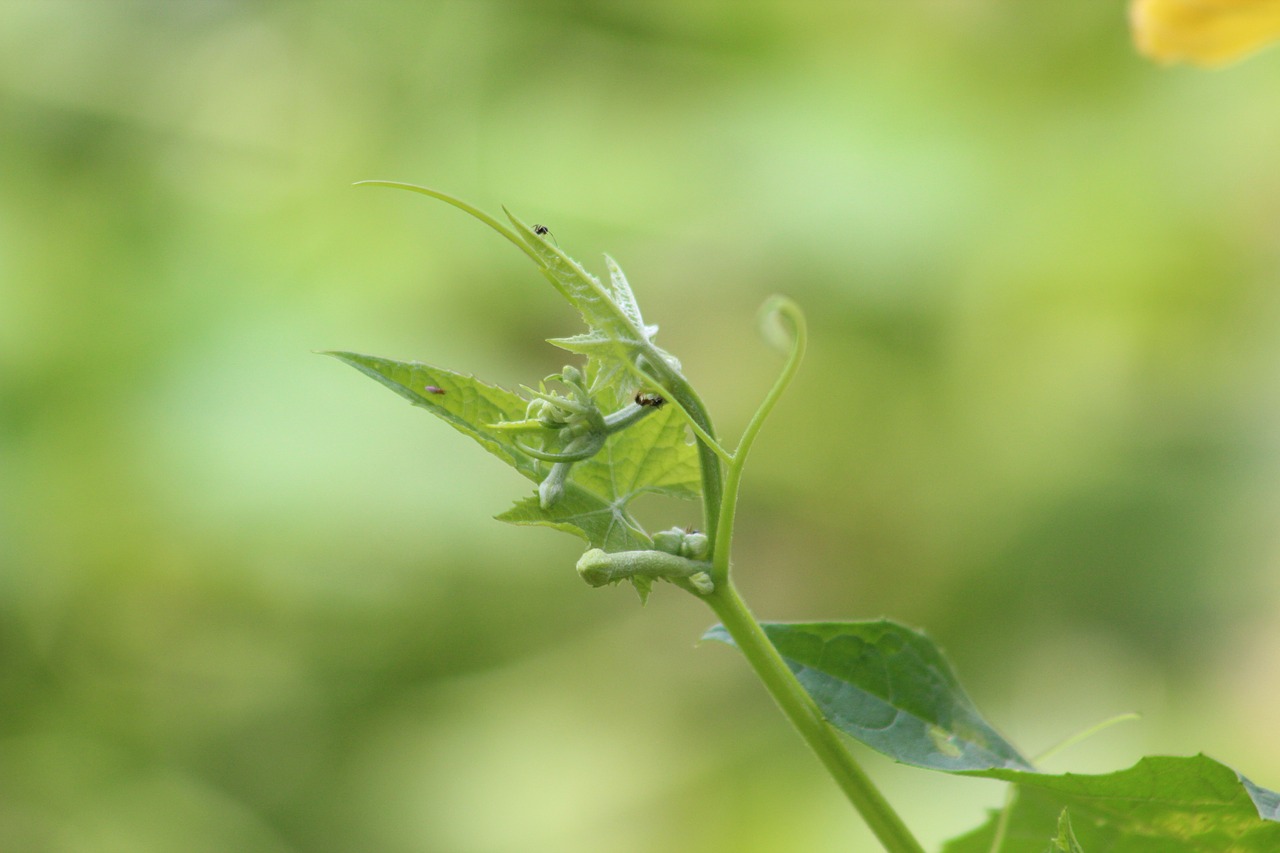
889 687
242 601
653 457
464 402
592 496
617 335
1160 805
610 437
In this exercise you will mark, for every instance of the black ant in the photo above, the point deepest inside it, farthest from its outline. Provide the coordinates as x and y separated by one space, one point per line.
544 231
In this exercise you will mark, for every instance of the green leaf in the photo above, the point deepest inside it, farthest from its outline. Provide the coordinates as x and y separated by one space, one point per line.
618 335
625 298
604 364
601 306
1160 805
650 456
611 311
653 455
464 402
602 524
1065 841
889 687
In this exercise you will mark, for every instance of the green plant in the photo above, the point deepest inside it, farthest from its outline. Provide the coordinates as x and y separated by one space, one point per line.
593 437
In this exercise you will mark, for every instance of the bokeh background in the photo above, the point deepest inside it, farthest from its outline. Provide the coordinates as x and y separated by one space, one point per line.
251 601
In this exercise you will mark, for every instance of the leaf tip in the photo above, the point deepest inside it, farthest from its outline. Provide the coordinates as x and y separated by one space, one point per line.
718 634
354 359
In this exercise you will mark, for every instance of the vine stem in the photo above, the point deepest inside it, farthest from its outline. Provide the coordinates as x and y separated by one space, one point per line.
794 701
804 714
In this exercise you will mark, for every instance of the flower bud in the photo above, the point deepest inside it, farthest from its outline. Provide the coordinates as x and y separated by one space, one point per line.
694 546
669 541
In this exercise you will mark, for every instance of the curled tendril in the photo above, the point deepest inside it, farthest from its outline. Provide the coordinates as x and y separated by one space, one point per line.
625 417
578 420
776 314
577 450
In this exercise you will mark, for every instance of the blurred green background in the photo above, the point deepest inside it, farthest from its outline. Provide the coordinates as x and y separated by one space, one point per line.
251 601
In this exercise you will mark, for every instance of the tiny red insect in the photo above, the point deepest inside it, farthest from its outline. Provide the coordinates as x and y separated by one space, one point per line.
435 390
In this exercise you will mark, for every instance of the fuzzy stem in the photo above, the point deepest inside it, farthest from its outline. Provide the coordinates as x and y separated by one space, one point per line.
676 388
791 697
598 568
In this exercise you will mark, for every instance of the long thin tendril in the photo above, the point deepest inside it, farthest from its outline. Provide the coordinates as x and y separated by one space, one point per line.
777 308
461 205
1002 825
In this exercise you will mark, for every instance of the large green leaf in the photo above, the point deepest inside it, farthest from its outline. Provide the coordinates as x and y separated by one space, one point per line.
889 687
1160 805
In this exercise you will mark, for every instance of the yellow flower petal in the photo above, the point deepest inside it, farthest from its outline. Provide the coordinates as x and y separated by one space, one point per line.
1203 32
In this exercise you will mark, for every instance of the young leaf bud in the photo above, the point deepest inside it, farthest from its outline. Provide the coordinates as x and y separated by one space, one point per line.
702 582
669 541
694 546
